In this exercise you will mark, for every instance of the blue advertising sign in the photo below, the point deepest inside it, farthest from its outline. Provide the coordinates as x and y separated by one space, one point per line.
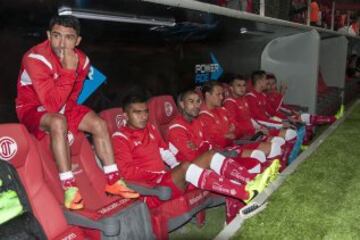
93 82
208 71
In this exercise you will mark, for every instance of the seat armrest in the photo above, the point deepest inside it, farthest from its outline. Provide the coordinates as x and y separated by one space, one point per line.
162 192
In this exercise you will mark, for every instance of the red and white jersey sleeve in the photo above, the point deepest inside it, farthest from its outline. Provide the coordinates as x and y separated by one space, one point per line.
137 154
257 104
43 82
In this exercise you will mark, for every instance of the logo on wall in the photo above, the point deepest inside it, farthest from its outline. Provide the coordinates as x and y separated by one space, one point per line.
8 148
209 71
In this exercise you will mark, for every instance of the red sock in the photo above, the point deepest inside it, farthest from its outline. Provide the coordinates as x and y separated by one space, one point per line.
309 133
247 162
320 119
208 180
229 168
112 174
232 208
286 153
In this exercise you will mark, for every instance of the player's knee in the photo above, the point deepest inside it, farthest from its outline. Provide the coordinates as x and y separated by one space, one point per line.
99 126
265 147
184 166
58 124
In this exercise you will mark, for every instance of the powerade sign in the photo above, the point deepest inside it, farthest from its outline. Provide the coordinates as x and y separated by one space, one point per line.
209 71
93 82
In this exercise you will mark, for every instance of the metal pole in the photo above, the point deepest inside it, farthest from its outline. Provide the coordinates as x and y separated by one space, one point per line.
308 13
262 8
333 16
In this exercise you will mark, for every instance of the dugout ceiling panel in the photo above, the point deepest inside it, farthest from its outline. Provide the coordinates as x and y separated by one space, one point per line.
332 61
294 60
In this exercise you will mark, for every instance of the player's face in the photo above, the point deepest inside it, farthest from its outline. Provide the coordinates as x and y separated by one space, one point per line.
216 97
267 84
191 105
137 115
238 87
61 38
263 83
272 84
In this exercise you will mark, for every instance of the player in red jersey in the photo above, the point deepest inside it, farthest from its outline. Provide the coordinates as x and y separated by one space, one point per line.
186 135
50 80
221 128
186 139
140 152
275 98
238 107
262 114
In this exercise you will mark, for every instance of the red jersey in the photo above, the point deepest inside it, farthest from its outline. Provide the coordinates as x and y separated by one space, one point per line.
217 123
239 109
139 153
187 139
276 102
260 110
43 82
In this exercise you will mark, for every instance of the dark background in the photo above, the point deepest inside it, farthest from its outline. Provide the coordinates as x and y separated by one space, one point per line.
160 59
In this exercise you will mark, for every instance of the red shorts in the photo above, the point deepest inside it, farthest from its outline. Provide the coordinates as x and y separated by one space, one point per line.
31 119
166 181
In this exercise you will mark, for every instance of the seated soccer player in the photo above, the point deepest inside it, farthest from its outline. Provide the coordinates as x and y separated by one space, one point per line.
141 155
276 101
238 107
261 112
50 80
186 135
186 140
221 129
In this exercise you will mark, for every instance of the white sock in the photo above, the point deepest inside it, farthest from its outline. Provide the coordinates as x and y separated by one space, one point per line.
110 168
255 169
290 134
193 174
216 163
259 155
305 117
279 140
66 175
275 150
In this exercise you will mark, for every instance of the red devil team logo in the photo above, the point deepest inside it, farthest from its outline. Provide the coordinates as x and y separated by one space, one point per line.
120 120
168 109
8 148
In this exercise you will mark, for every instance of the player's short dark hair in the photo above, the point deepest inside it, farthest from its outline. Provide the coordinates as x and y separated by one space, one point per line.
237 77
134 97
271 76
183 94
257 75
209 86
65 21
